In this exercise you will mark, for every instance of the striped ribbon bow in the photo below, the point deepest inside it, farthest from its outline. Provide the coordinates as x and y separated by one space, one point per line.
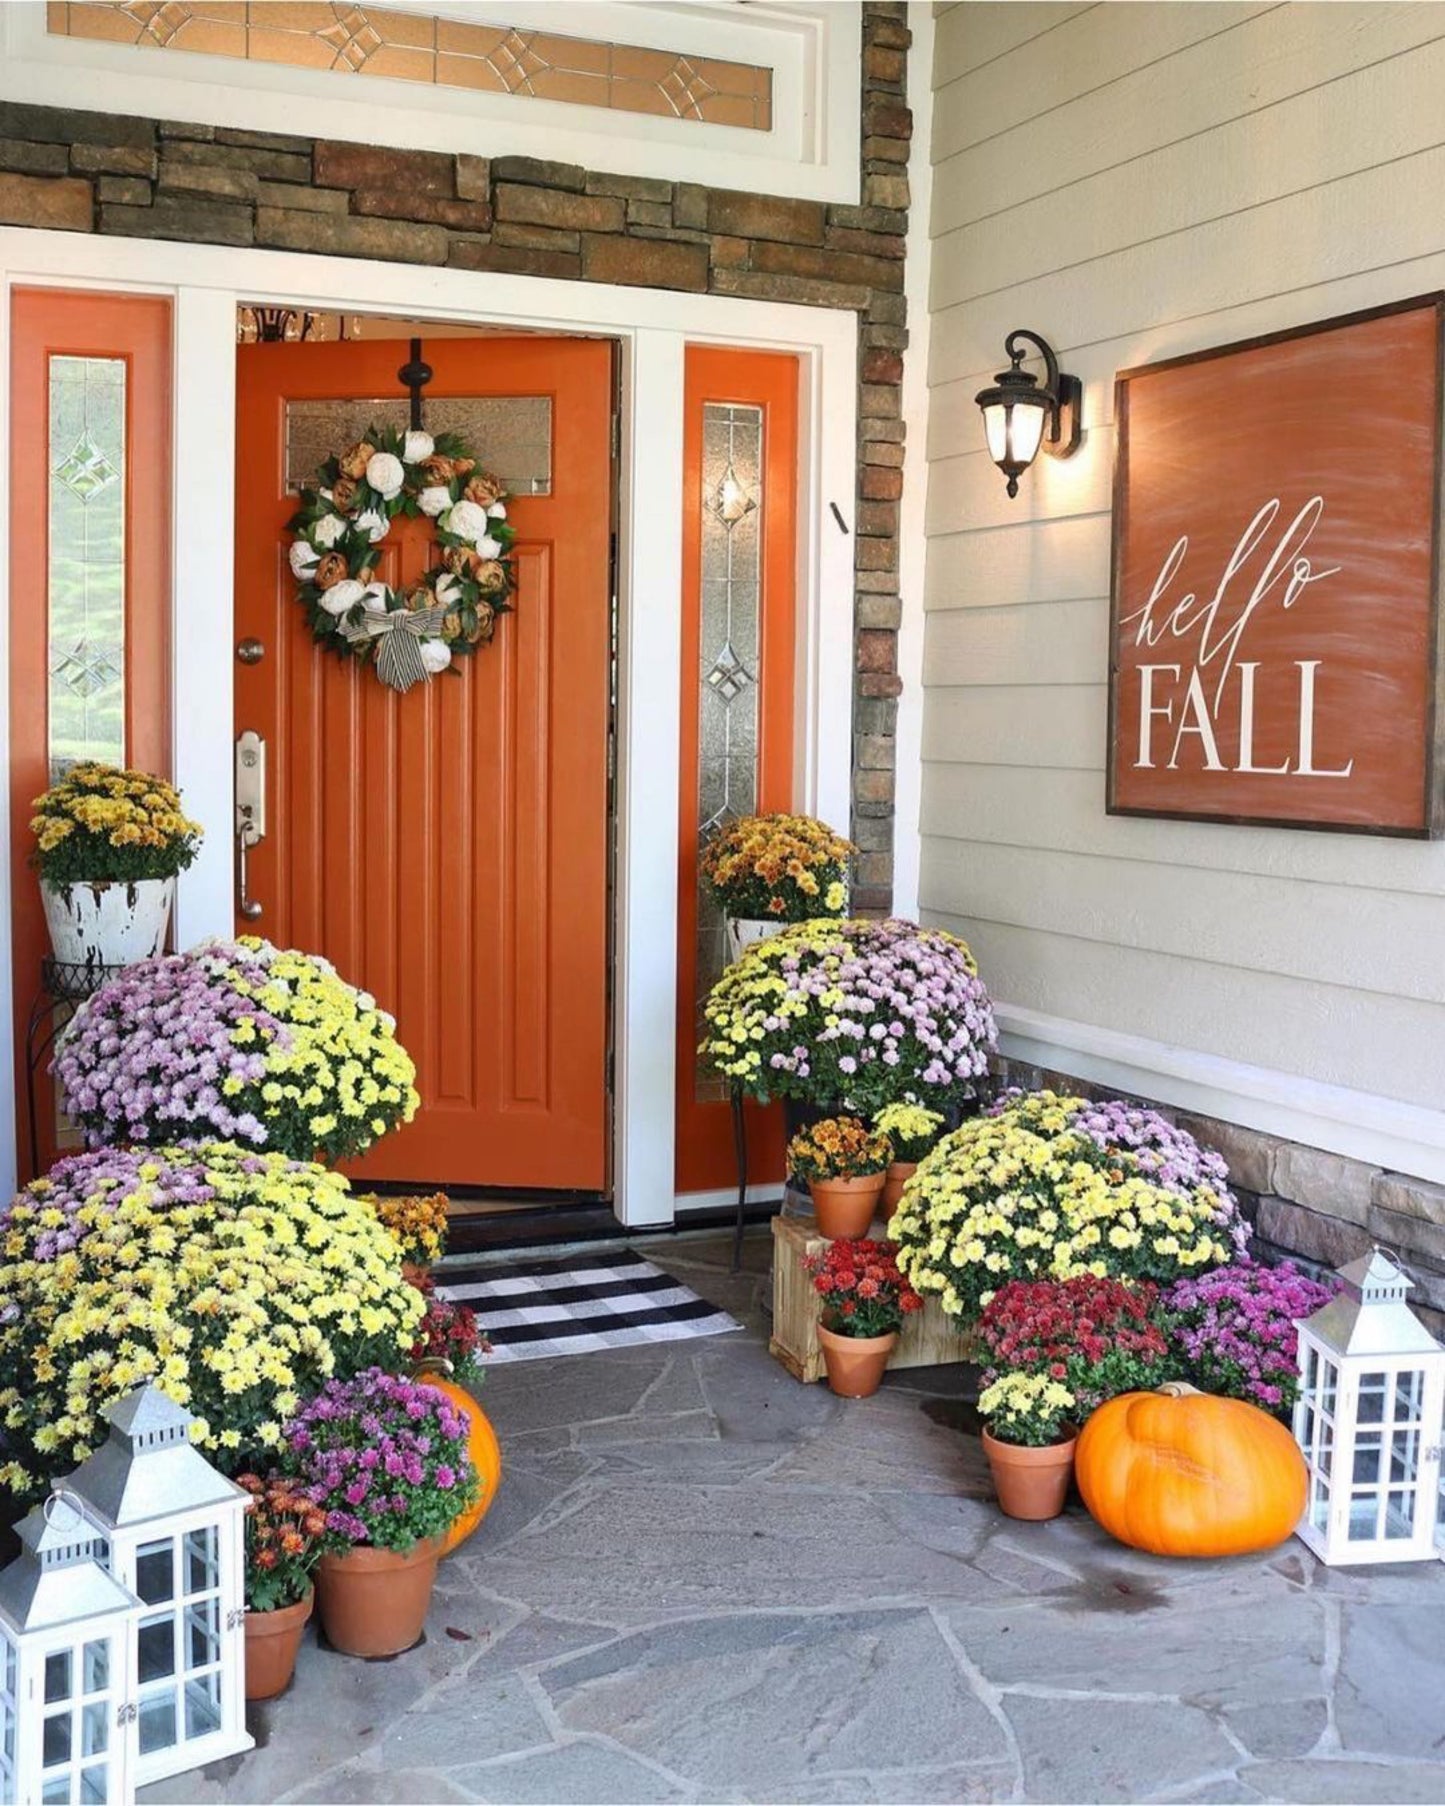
398 660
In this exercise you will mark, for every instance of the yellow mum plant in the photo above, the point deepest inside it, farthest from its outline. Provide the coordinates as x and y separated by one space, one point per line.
237 1282
102 825
790 868
911 1129
839 1147
1050 1187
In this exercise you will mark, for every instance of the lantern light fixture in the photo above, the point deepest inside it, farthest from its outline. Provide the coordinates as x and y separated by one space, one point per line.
1022 415
175 1527
1369 1420
66 1627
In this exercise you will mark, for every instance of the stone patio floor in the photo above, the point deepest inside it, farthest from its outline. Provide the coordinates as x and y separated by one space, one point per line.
703 1581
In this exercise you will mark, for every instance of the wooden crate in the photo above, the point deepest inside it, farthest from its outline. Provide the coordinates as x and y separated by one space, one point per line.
928 1338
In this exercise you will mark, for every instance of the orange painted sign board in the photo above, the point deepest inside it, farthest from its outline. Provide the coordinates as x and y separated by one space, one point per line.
1275 638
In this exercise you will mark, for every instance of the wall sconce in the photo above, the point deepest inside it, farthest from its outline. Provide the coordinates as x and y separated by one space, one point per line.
1020 414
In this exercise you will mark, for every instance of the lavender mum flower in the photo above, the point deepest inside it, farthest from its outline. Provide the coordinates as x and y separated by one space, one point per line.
1237 1329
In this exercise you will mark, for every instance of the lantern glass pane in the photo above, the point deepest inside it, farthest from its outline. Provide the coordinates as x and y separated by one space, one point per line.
94 1728
92 1785
155 1572
200 1559
55 1740
156 1648
158 1722
203 1705
96 1666
56 1792
995 428
1367 1462
1319 1506
57 1676
203 1633
1373 1387
1025 430
1409 1395
1364 1516
1400 1515
1405 1455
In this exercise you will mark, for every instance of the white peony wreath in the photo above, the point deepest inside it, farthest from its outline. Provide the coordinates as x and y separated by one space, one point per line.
347 514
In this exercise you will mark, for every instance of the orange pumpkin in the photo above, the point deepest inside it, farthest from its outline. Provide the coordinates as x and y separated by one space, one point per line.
1178 1472
482 1446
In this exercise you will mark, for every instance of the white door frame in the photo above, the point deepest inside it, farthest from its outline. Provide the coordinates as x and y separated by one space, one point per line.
653 328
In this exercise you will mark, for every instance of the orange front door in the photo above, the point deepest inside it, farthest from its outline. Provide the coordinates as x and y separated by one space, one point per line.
448 849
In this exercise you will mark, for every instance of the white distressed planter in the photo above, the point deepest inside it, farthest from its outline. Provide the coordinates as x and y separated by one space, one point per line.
744 931
108 924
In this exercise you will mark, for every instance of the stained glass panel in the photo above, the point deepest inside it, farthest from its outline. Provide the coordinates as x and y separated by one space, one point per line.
728 700
87 560
512 433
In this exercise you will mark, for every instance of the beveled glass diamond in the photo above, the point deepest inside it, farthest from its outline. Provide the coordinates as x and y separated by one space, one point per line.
87 668
729 676
86 469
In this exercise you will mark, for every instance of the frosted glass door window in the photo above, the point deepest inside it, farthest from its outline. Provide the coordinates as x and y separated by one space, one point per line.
511 434
728 703
86 560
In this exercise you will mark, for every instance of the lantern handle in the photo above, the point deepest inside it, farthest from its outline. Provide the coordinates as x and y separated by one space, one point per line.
1395 1261
62 1495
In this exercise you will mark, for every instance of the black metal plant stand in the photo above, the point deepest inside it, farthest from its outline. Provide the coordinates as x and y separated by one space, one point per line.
740 1152
63 984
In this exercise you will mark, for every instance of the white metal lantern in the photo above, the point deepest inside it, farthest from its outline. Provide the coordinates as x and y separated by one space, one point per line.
65 1634
177 1540
1369 1420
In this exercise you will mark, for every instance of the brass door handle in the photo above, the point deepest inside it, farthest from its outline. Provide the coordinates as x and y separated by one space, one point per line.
246 838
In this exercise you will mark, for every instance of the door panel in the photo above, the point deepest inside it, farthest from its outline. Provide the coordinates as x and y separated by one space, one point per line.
90 584
740 456
447 849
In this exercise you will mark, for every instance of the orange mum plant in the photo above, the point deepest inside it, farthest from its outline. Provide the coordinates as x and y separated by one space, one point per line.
419 1225
839 1147
789 868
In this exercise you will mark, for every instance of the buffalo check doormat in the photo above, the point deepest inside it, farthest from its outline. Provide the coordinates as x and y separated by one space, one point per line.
536 1308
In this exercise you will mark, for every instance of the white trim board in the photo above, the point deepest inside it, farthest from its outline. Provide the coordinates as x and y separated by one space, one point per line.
814 48
653 327
1403 1138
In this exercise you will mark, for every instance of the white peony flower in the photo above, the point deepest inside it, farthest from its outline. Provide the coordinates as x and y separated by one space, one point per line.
434 501
328 529
373 598
487 547
342 596
417 446
447 590
304 559
467 521
436 655
385 474
373 524
497 511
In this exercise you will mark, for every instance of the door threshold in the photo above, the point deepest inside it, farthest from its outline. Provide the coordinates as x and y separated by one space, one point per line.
502 1234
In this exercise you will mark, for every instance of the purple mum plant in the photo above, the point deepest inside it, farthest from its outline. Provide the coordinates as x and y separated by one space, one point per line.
1237 1329
385 1458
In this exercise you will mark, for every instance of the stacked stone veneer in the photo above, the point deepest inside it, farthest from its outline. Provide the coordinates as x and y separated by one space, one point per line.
1318 1209
147 178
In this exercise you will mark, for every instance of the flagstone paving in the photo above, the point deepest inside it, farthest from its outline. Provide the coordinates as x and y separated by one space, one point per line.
702 1581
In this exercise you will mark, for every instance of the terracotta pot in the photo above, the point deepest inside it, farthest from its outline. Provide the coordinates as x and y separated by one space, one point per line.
1031 1483
855 1363
845 1207
894 1181
272 1639
373 1602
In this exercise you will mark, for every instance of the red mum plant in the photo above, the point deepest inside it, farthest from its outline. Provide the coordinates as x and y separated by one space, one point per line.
450 1333
1100 1337
283 1531
862 1290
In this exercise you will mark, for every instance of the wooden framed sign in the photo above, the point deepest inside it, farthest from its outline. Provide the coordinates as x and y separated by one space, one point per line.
1275 650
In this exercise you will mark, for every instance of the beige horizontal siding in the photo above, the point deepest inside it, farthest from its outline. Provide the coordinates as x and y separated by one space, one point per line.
1136 182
